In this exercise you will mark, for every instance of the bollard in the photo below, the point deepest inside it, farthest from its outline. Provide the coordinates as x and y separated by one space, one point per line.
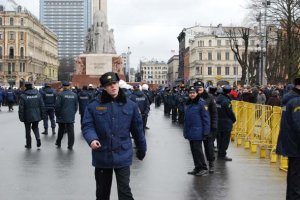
239 142
283 163
273 157
263 152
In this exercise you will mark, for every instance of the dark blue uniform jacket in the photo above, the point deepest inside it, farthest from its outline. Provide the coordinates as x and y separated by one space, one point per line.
49 97
66 107
111 122
31 106
141 100
226 116
196 120
83 98
289 135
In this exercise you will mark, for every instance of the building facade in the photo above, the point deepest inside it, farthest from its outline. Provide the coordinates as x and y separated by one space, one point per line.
70 20
28 50
173 64
154 72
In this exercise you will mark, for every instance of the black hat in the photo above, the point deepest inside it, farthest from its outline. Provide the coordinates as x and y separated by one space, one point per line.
212 89
46 85
28 84
65 83
192 89
226 89
136 87
109 77
199 84
297 81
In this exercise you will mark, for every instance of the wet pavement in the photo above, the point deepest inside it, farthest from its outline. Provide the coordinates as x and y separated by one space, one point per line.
60 174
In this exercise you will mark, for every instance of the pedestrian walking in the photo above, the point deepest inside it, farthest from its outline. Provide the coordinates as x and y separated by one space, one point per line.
31 111
10 99
65 109
226 118
49 98
288 143
84 97
196 129
107 124
2 95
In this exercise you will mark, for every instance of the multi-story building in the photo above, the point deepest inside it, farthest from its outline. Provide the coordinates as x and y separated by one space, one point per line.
173 64
154 72
210 56
28 50
70 20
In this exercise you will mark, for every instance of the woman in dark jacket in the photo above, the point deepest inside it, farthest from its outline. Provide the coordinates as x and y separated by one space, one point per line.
196 129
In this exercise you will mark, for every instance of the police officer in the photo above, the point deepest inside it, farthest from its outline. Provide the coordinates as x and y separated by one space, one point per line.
181 100
107 125
10 99
2 95
31 111
288 140
167 101
226 118
142 101
65 109
196 129
174 103
84 97
49 98
212 109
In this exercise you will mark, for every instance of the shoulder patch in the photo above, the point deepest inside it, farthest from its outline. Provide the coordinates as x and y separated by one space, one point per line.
101 108
296 109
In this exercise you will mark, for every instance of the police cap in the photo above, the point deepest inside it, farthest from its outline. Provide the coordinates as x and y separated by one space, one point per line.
227 89
297 81
192 89
65 83
136 87
28 84
199 84
109 77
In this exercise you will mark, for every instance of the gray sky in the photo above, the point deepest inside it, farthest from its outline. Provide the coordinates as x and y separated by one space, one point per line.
150 27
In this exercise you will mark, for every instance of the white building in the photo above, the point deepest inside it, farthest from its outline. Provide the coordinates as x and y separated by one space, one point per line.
173 64
154 72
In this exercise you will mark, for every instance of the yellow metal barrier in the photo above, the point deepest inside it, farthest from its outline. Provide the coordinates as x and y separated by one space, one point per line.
258 127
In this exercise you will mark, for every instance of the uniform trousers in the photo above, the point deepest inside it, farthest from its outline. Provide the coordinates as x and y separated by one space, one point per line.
62 127
293 179
103 178
198 156
209 149
49 115
223 140
35 128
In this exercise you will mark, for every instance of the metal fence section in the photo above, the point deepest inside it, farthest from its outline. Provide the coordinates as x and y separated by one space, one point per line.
257 127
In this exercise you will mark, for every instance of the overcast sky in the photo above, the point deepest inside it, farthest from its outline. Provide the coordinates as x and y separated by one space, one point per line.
150 27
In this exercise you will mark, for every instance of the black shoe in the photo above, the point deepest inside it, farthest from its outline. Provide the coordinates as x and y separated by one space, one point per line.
53 131
225 158
70 148
216 149
57 145
194 172
45 132
28 146
202 172
38 143
211 169
147 127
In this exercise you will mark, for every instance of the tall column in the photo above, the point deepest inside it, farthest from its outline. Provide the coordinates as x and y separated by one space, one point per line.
100 5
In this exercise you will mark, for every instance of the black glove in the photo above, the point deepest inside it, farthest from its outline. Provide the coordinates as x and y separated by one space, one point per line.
140 154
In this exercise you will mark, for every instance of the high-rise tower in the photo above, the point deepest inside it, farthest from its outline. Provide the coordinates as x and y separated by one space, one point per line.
99 5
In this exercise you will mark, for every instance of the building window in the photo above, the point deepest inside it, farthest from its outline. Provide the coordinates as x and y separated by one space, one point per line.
11 21
197 70
235 71
11 35
227 42
226 70
227 54
22 52
235 59
200 56
1 36
219 43
11 68
219 57
209 43
219 71
1 21
1 8
0 53
22 36
11 53
209 56
22 67
198 43
209 72
1 67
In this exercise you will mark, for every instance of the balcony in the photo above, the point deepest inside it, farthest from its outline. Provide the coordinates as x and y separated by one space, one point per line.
16 58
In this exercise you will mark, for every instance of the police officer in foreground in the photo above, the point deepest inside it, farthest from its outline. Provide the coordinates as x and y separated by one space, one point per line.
212 109
49 98
65 109
289 139
31 111
226 118
107 124
196 129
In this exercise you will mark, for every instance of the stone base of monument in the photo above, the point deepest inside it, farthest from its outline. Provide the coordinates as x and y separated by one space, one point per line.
92 66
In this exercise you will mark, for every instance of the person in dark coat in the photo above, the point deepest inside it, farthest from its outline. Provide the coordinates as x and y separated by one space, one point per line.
84 97
212 109
49 98
10 99
288 144
2 95
107 124
196 129
31 111
226 118
65 109
142 101
274 99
